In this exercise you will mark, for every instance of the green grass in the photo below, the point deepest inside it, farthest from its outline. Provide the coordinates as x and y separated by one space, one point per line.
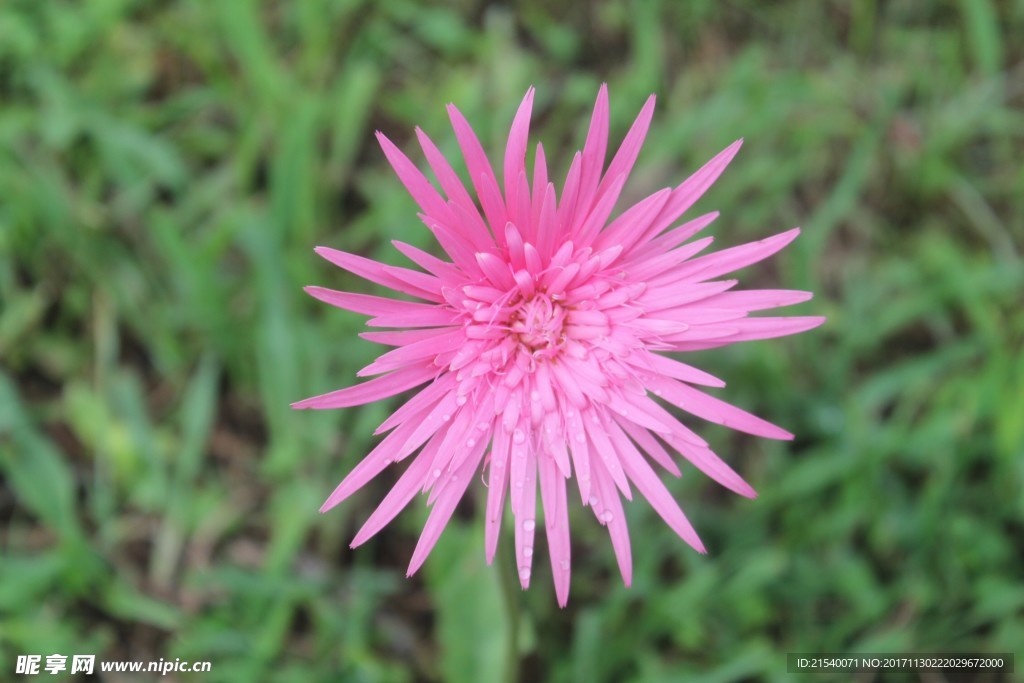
167 167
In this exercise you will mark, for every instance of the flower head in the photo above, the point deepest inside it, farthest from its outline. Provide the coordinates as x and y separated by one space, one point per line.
543 339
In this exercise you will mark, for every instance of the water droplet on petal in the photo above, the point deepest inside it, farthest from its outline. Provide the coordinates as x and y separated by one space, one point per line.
534 395
528 551
564 564
482 426
437 473
461 399
580 437
529 525
607 516
524 573
518 436
446 417
593 501
470 443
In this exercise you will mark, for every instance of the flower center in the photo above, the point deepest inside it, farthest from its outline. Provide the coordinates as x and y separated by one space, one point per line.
538 323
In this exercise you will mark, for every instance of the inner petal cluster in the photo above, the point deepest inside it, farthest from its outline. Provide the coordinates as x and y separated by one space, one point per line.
537 324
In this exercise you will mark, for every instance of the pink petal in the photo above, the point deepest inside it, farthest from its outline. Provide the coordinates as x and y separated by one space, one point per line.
759 299
715 410
556 522
428 262
480 171
622 162
768 328
374 390
597 433
594 150
670 367
458 248
415 182
647 482
671 296
691 189
658 269
402 337
708 462
598 216
633 222
734 258
540 183
369 467
526 514
673 237
428 397
610 513
412 353
497 487
378 272
442 511
650 445
515 149
397 499
452 186
566 213
580 453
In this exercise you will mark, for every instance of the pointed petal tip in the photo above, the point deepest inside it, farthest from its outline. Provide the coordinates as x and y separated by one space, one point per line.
360 538
746 490
314 291
813 321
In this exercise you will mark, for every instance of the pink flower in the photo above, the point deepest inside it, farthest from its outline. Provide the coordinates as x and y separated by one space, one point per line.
542 342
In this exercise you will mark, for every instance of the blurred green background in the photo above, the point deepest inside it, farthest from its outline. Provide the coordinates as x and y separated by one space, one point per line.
166 168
